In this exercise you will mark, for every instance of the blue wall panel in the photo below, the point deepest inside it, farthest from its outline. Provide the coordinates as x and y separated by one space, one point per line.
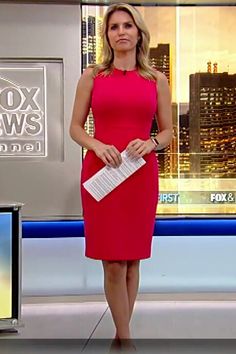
163 227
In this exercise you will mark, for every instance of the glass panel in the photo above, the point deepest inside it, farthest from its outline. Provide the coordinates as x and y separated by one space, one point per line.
195 48
207 109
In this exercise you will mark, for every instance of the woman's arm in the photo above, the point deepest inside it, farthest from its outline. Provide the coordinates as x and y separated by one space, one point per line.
164 112
107 153
81 109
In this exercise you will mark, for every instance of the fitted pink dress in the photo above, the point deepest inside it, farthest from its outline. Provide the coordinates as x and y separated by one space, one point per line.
120 226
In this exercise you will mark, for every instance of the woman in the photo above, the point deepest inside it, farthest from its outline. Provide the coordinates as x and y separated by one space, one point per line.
125 94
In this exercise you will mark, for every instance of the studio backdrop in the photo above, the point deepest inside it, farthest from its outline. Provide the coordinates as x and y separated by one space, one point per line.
45 48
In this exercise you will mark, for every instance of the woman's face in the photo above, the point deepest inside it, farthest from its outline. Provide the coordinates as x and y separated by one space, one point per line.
122 32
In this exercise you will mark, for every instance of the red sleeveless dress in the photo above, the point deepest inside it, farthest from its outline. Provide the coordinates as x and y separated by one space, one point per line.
120 226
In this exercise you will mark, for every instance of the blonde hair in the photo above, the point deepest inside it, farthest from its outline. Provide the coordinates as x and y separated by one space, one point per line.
142 49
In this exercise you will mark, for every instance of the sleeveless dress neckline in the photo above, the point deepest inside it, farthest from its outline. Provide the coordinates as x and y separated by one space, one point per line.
122 70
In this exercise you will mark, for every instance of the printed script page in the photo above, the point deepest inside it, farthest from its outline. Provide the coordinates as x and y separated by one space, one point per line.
108 178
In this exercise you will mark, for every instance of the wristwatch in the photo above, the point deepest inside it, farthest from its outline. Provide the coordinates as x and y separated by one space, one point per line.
156 142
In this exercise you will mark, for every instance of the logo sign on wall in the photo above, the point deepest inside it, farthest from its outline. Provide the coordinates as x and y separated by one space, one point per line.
23 111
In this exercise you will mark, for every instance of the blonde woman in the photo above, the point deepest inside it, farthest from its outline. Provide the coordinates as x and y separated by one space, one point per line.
125 95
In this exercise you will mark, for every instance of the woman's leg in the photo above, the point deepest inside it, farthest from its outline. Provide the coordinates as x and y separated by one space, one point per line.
132 282
115 286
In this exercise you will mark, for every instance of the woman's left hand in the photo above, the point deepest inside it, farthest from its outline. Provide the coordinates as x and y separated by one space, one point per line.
138 148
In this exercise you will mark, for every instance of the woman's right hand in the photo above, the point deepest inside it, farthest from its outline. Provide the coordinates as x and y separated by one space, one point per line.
108 154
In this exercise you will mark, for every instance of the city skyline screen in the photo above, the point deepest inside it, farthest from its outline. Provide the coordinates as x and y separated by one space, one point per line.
195 48
5 265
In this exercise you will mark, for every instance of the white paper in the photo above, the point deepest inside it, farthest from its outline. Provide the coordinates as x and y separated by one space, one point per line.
108 178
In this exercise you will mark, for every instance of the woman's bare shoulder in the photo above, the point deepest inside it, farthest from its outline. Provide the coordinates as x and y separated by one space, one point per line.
87 74
86 79
88 71
161 78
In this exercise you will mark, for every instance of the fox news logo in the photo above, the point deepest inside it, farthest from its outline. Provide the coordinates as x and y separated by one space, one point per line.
22 112
223 197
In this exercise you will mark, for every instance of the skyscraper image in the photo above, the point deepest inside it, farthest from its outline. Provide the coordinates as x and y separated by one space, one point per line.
168 163
91 41
91 49
184 143
88 41
160 59
212 124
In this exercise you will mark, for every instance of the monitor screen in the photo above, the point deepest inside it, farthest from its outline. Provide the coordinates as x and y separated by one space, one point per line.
9 262
5 265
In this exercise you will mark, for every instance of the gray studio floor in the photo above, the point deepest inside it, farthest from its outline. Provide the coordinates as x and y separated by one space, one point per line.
162 323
